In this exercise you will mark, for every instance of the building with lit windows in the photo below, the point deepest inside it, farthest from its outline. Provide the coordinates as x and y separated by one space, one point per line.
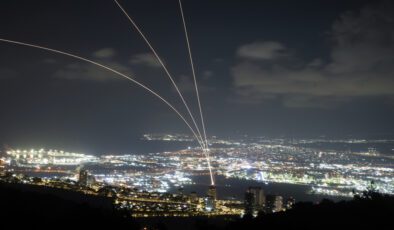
274 203
254 201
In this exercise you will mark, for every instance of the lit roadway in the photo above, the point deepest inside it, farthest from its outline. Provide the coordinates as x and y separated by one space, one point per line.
139 199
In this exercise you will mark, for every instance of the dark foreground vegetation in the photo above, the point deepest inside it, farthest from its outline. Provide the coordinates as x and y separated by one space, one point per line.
370 210
45 208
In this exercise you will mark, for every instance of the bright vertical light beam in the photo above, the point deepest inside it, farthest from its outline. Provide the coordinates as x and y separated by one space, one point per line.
196 88
193 73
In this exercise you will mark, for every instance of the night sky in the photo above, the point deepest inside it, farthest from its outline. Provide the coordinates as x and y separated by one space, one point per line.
274 68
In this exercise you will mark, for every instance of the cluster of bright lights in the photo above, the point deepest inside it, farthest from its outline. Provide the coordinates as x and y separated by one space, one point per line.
41 157
327 172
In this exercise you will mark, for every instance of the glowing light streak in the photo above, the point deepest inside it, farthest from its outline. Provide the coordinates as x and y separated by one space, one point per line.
206 150
162 64
205 143
200 141
193 73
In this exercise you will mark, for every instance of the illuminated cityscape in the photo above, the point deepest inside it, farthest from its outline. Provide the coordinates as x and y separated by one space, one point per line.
197 114
142 182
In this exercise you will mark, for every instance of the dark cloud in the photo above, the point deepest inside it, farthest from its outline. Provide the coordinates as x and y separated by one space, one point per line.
90 72
186 84
361 64
146 59
262 50
207 74
105 53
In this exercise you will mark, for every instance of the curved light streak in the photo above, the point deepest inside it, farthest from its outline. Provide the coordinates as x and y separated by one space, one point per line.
200 141
162 64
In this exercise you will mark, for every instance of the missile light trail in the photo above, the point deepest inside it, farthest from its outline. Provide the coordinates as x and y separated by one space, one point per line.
200 141
162 64
196 88
205 143
193 72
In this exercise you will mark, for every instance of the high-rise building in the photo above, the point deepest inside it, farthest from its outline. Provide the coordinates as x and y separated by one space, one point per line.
83 177
274 203
210 203
254 201
193 198
210 199
249 203
212 192
258 196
